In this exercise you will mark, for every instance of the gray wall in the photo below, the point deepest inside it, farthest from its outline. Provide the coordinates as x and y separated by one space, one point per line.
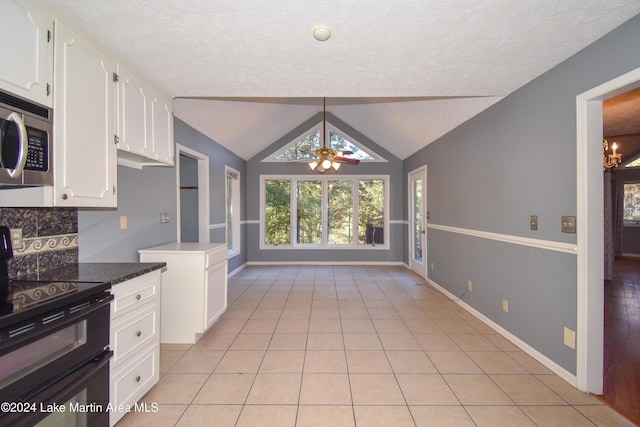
219 157
142 196
516 159
393 168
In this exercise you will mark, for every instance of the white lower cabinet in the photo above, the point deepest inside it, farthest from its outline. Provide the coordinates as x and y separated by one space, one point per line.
135 341
194 288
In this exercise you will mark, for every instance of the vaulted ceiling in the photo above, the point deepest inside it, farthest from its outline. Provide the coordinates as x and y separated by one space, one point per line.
402 72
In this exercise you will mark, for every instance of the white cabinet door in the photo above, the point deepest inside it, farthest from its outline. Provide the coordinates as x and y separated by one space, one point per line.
25 69
84 122
215 297
145 122
133 101
162 129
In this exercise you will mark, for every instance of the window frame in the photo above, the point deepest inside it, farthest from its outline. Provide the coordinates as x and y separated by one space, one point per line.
236 247
324 245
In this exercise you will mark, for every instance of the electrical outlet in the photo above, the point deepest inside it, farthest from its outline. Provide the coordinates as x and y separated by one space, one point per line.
16 238
570 338
505 305
469 286
123 222
164 217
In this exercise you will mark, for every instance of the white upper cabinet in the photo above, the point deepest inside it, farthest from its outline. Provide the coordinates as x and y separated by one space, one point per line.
84 122
25 69
162 128
145 120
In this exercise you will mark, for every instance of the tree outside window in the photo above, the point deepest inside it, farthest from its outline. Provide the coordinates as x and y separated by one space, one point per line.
277 212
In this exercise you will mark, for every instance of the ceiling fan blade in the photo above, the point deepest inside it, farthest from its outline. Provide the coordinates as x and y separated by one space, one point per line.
346 160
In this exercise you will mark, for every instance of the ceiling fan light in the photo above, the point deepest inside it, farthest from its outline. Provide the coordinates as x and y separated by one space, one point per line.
313 165
335 166
321 169
326 164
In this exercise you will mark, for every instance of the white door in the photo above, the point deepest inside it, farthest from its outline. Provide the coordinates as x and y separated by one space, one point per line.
418 221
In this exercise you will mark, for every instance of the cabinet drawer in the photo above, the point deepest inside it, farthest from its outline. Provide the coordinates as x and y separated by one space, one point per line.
131 333
214 257
132 381
134 293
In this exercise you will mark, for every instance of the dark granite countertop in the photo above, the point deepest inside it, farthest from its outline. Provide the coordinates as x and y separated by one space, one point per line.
108 272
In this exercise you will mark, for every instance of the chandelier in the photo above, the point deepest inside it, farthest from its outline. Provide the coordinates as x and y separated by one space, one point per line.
610 160
326 158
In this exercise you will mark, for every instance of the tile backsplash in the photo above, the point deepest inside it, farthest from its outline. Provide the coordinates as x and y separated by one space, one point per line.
50 238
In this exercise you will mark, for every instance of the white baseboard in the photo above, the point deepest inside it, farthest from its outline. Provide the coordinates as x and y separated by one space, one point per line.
237 270
550 364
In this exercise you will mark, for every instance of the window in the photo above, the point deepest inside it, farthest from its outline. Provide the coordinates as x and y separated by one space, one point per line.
309 206
633 164
305 146
277 212
233 210
631 214
329 212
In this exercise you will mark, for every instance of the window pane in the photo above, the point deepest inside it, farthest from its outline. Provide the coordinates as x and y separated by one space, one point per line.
371 211
632 202
303 149
230 211
340 226
309 200
417 220
277 212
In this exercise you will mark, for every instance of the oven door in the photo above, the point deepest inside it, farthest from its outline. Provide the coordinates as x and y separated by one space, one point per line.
57 374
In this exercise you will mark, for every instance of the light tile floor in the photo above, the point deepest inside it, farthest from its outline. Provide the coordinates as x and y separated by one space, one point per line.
346 346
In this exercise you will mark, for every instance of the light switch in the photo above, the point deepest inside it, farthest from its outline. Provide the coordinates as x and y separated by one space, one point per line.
123 222
533 222
569 224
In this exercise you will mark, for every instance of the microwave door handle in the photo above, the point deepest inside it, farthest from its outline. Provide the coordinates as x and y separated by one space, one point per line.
23 145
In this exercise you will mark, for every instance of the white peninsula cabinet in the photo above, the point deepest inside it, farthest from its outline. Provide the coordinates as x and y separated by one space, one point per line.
194 288
135 340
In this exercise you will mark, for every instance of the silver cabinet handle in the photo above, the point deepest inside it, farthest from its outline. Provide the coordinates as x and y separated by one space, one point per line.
138 333
138 379
138 297
22 148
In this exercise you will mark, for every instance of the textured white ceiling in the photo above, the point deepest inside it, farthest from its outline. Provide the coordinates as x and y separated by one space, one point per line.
459 49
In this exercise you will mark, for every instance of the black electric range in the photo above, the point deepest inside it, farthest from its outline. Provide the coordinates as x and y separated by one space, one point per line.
24 300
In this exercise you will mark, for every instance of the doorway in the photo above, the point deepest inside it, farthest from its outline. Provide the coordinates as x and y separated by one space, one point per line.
192 178
590 233
418 221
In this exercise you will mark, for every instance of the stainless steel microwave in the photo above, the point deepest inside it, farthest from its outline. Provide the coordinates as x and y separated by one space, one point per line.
25 143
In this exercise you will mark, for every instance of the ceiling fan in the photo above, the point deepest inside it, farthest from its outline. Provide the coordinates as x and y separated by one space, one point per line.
326 157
